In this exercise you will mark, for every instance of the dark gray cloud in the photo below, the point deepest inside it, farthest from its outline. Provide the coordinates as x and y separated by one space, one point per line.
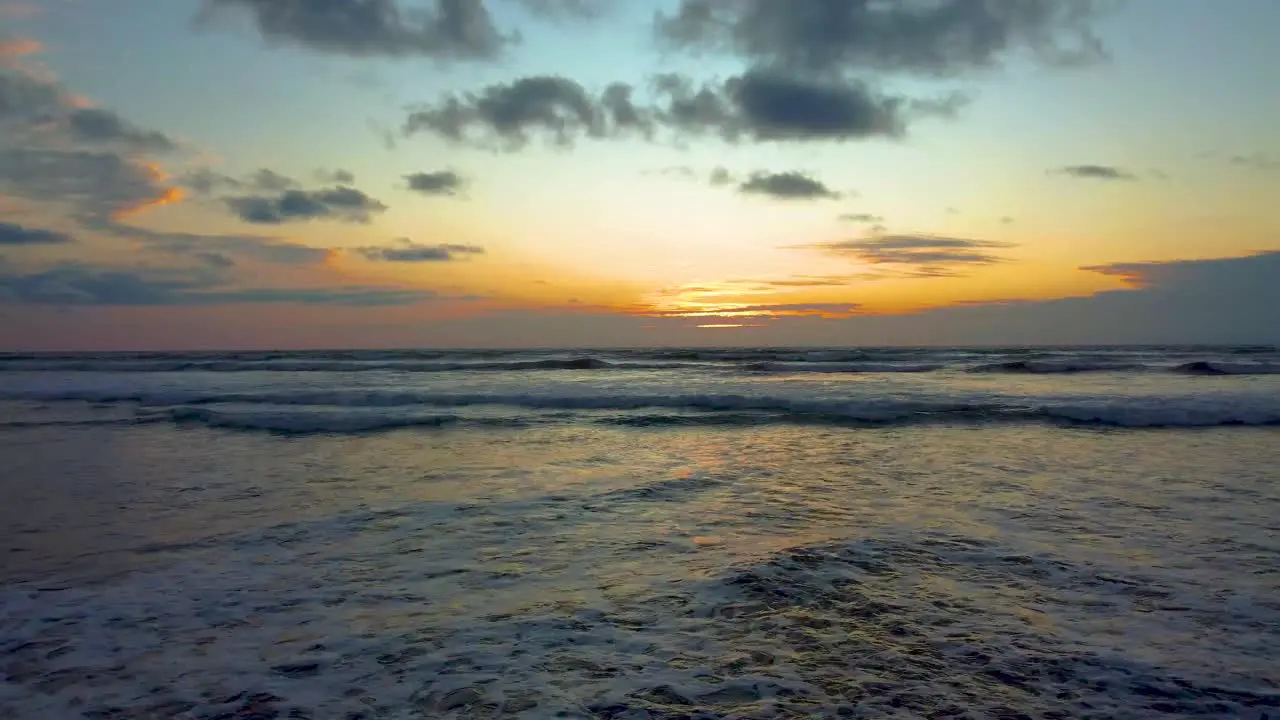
439 29
96 125
85 285
757 106
13 235
861 218
94 183
36 110
918 255
25 99
787 186
259 248
511 114
440 182
764 105
345 204
929 37
1095 172
445 29
407 251
205 181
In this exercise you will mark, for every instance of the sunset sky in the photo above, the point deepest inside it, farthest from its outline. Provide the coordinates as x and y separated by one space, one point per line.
178 174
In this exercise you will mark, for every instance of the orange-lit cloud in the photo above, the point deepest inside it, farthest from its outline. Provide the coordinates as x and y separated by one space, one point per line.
18 47
167 196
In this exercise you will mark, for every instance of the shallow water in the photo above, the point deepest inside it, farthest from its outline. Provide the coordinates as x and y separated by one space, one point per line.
624 560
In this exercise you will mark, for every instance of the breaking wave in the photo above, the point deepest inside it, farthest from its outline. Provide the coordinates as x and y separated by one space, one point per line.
350 411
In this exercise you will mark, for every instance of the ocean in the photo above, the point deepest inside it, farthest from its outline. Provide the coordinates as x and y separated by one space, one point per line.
662 533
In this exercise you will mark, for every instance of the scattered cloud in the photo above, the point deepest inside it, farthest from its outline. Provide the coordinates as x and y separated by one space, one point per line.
721 176
16 47
206 182
12 235
407 251
336 177
746 310
1095 172
675 171
86 285
861 218
757 106
767 106
829 37
341 203
787 186
918 255
95 125
450 30
259 248
440 182
808 281
1257 161
511 114
94 184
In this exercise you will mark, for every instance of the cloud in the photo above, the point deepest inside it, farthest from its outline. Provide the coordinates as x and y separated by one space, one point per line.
745 310
97 184
1257 161
721 176
441 182
410 252
861 218
254 247
206 182
39 110
757 106
336 177
12 235
85 285
787 186
918 255
25 99
1095 172
767 106
96 125
341 203
831 37
448 30
512 113
802 281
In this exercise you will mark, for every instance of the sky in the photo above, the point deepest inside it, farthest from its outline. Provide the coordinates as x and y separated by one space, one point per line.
227 174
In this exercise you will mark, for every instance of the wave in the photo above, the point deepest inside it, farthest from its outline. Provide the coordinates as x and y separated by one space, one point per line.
1220 368
350 411
344 366
1048 367
839 367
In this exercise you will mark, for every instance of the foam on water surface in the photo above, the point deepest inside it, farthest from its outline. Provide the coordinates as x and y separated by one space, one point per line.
771 571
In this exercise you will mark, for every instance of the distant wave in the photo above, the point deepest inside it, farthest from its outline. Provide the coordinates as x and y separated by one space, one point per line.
359 411
1220 368
832 362
840 367
231 366
1047 367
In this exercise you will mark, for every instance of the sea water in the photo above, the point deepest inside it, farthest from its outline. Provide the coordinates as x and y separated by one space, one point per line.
746 533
